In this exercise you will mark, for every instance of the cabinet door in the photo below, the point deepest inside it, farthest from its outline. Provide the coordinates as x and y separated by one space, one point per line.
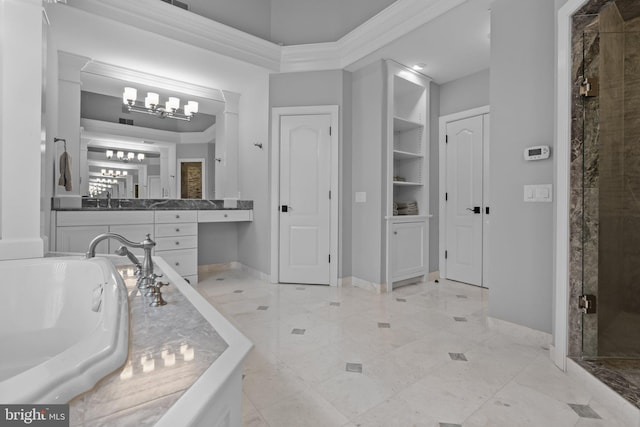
77 239
407 250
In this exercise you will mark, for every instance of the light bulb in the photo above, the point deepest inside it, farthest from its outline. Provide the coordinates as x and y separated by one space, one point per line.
129 96
140 157
120 155
131 156
109 154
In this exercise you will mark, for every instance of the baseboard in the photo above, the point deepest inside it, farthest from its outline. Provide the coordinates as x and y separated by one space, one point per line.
365 284
433 276
520 333
345 281
626 412
215 268
255 273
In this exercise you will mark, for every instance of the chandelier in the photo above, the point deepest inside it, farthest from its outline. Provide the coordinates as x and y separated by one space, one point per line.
113 173
131 156
152 106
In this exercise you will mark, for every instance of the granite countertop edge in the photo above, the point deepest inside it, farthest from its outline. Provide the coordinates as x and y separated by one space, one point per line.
155 205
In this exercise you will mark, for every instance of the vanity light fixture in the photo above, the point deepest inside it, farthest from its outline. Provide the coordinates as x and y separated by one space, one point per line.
153 107
114 173
129 157
419 67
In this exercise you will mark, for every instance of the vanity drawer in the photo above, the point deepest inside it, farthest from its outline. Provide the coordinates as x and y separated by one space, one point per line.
176 229
184 261
176 242
225 215
163 217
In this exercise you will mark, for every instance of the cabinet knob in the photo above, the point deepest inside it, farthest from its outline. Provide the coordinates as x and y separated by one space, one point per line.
395 232
177 243
225 215
177 263
177 230
177 216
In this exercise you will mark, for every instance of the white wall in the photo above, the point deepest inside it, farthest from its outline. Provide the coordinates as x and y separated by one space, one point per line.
111 42
522 114
465 93
434 177
368 173
324 88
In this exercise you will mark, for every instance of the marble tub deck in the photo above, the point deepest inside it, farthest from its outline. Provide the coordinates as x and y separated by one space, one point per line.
423 355
169 348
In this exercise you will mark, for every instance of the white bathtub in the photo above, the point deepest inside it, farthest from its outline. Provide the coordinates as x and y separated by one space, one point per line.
64 324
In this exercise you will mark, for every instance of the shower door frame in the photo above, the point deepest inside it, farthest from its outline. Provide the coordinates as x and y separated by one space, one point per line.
559 348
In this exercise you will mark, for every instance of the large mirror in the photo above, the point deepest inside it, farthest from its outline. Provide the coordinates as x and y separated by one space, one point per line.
139 144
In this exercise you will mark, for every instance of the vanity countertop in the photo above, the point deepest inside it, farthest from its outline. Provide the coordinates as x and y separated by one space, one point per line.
156 204
170 348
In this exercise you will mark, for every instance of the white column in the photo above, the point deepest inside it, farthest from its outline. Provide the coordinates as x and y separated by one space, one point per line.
21 51
227 140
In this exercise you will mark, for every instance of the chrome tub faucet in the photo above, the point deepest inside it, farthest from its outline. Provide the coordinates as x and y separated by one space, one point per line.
144 271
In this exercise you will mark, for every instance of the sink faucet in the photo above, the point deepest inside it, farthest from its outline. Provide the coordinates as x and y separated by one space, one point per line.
108 200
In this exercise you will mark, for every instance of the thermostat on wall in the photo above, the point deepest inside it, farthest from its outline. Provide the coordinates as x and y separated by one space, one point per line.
536 153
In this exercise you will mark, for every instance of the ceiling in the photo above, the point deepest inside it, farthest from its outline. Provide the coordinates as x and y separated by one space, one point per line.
451 46
450 36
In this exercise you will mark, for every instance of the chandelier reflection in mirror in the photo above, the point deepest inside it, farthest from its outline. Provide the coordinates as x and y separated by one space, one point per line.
129 157
152 106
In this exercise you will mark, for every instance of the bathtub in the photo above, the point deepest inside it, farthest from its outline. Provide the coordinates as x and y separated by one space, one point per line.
64 324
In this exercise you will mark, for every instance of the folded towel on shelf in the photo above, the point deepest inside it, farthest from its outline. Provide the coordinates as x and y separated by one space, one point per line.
405 208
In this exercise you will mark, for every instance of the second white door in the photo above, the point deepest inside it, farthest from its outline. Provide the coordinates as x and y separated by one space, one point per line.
305 153
464 200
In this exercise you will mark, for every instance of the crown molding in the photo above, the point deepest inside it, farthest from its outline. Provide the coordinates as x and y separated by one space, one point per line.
158 17
170 21
143 78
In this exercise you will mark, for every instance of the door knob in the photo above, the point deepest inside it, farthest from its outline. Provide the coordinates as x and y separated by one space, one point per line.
475 209
285 208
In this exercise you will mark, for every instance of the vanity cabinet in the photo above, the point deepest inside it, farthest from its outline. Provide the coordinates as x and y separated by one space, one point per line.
174 231
176 236
76 229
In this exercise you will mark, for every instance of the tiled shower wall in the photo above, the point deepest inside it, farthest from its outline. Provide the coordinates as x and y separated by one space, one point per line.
605 176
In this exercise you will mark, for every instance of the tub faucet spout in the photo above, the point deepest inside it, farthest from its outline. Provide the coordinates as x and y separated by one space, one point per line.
146 269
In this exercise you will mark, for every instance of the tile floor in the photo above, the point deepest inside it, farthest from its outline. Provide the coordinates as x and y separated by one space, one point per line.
421 356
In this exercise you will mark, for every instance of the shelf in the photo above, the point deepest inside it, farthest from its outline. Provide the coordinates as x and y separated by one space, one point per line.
407 184
403 125
401 155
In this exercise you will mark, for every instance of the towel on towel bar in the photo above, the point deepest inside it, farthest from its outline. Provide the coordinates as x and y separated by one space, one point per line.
65 171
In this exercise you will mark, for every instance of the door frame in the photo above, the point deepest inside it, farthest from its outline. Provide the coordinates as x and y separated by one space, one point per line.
276 114
203 177
442 181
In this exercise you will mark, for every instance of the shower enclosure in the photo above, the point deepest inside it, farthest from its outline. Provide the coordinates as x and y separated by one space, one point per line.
605 191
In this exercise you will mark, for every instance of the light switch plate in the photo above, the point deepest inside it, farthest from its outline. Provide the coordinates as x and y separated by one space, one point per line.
361 196
538 193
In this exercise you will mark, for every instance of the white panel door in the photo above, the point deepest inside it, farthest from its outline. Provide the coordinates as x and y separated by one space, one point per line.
464 203
305 153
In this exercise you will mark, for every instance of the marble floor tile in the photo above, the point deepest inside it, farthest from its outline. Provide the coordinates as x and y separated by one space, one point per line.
399 346
306 409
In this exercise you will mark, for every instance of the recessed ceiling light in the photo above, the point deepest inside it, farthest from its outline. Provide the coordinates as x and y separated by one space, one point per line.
418 67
